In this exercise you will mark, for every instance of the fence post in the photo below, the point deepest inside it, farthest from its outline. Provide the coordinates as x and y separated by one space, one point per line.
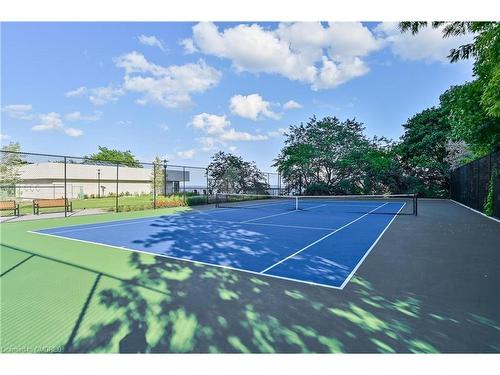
65 191
165 178
116 199
184 181
207 191
154 186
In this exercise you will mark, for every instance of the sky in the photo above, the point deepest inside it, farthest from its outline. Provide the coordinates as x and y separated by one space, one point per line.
183 91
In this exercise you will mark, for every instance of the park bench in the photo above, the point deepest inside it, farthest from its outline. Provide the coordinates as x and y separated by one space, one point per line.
50 203
10 206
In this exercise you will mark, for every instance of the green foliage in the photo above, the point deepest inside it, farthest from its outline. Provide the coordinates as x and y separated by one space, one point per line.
230 173
329 156
10 176
490 198
461 108
473 109
158 176
423 152
110 155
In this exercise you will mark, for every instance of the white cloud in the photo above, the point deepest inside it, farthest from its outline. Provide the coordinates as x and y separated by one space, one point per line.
49 121
53 121
188 45
19 111
211 124
97 95
218 131
170 86
72 132
4 137
164 127
187 154
77 116
151 40
332 74
232 148
233 135
292 104
77 92
303 52
251 107
428 44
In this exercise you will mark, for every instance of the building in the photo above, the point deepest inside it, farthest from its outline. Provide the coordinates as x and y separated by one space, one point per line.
46 180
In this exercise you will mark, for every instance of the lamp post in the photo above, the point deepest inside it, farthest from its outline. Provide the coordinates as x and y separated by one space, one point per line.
98 183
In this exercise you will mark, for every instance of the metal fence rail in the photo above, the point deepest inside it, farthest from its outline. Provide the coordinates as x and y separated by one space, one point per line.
471 183
104 186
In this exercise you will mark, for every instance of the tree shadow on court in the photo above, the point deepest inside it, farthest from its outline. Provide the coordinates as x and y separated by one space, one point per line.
206 309
174 306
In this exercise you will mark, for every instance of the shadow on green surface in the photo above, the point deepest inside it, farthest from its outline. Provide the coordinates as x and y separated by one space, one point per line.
173 306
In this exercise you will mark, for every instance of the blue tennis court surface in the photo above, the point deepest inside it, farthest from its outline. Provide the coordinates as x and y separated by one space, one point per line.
322 243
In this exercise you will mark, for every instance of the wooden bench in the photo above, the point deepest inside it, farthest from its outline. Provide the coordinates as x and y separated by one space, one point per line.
50 203
10 206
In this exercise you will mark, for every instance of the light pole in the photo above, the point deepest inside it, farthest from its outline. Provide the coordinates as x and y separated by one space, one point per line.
98 183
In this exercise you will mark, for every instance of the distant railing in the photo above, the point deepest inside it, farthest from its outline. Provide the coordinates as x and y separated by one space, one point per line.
107 185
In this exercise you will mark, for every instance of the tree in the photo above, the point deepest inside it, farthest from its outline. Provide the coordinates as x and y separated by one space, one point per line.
423 152
230 173
330 156
115 156
469 122
158 176
10 175
474 108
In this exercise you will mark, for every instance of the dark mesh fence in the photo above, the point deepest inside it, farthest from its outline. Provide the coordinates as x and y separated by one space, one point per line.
477 184
90 186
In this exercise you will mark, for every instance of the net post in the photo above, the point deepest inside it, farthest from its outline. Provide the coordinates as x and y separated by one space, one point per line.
296 203
415 204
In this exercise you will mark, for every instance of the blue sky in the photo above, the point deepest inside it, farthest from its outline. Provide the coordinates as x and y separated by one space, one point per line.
185 90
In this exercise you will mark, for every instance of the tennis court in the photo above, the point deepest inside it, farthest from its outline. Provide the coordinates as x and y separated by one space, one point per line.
315 240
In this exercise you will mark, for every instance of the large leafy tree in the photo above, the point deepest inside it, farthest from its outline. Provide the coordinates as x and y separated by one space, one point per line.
230 173
473 109
423 152
330 156
115 156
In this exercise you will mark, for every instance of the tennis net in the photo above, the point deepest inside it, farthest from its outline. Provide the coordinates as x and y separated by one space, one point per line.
390 204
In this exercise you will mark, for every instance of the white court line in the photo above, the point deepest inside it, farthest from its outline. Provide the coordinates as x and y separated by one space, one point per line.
190 261
280 214
476 211
321 239
348 278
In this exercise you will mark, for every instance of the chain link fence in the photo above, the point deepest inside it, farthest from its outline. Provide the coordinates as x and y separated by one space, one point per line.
74 184
477 184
